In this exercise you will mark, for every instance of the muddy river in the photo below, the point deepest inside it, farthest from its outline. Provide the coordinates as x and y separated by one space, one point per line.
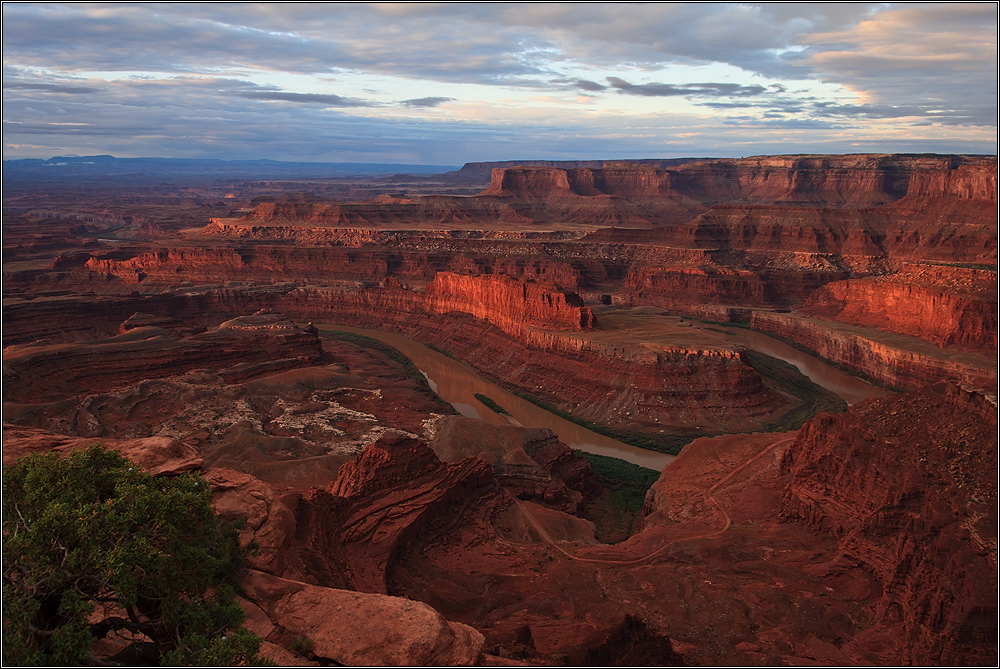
458 383
850 388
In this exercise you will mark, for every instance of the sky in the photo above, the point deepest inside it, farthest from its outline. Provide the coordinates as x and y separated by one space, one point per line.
448 83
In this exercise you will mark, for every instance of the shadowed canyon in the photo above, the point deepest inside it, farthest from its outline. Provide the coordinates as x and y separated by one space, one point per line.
663 412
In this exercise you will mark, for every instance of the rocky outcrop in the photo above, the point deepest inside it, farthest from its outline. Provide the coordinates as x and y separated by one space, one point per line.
246 345
908 486
267 522
361 629
159 456
380 500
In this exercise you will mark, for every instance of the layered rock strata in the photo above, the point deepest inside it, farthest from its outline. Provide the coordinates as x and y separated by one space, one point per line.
55 371
507 303
948 319
379 501
893 365
631 195
908 486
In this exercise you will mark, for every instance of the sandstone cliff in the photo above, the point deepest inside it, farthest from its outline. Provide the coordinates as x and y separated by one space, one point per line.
908 487
945 318
507 303
893 365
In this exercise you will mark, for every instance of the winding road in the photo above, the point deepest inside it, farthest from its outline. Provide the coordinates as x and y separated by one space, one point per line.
710 497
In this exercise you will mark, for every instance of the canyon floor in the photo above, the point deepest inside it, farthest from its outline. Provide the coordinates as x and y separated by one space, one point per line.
403 386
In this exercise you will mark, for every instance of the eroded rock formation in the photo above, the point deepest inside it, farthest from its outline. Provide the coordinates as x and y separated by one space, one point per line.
934 308
46 371
867 537
508 303
908 487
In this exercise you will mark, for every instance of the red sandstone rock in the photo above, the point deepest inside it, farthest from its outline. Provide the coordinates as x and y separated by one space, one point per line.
908 486
359 629
379 501
894 365
269 524
509 304
157 455
946 319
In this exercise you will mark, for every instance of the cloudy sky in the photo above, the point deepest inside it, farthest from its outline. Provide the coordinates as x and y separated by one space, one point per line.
450 83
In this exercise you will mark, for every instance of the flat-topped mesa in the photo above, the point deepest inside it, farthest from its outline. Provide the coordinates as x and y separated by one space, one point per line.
851 181
241 348
508 303
640 195
613 179
860 180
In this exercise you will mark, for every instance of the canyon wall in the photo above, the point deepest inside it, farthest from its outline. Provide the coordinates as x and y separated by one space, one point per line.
886 364
675 387
417 261
631 195
946 319
508 303
908 487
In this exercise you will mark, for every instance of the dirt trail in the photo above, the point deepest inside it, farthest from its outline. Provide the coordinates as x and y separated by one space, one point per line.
710 497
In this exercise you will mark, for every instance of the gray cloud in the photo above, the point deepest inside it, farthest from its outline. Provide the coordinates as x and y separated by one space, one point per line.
669 90
327 99
50 88
425 102
930 63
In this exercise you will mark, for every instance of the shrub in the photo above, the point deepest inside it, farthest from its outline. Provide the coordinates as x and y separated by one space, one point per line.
92 544
301 645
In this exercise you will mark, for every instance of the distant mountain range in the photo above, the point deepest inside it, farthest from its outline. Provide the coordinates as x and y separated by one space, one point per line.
172 170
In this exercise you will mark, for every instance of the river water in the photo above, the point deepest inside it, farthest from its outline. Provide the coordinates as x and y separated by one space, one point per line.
850 388
457 383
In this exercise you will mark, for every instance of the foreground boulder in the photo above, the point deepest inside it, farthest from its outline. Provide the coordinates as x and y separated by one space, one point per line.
362 629
269 523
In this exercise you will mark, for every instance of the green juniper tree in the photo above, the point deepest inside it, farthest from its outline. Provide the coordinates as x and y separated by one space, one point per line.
92 544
